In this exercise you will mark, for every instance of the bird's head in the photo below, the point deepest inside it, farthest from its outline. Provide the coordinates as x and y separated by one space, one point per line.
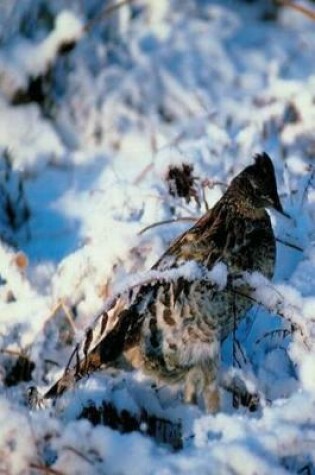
258 184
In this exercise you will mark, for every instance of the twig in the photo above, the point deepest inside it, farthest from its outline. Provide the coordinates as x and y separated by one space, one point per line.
299 8
286 243
45 469
143 173
212 183
204 199
68 315
67 312
109 10
78 453
52 362
167 221
308 184
280 331
276 310
307 469
73 353
235 399
240 353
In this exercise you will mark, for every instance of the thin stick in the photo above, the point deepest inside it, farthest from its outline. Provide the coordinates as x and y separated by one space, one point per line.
143 173
235 401
280 331
78 453
73 353
105 13
167 221
45 469
68 315
308 184
286 243
299 8
277 311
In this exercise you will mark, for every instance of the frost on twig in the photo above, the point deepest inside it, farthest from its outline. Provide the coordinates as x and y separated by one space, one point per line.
264 293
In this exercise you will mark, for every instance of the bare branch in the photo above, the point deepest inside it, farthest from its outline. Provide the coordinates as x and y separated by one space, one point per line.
167 221
289 244
277 309
143 174
282 332
308 184
109 10
78 453
45 469
299 8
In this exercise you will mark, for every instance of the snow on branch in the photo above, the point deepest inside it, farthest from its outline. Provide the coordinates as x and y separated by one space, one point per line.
288 306
25 59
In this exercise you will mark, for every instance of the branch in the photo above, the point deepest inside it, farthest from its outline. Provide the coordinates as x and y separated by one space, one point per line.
79 454
109 10
286 243
167 221
282 332
45 469
308 184
281 309
299 8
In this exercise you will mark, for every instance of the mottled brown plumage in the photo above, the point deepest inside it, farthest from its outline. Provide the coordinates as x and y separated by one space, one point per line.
173 330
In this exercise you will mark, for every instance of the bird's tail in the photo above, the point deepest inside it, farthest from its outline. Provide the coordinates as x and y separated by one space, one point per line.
123 336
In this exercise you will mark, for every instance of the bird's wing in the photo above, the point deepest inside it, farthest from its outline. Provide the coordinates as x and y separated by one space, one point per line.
117 330
205 242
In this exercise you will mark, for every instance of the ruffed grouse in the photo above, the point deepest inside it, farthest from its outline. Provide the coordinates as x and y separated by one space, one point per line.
173 329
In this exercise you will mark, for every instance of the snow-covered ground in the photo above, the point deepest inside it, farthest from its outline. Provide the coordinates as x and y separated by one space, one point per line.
85 153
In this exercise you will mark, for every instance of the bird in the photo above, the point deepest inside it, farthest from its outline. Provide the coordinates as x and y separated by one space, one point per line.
173 329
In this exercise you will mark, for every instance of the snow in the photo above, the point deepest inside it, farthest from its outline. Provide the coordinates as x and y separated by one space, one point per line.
23 58
154 84
32 139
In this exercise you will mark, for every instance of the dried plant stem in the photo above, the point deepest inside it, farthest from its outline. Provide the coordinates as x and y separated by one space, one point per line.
234 359
299 8
282 332
143 174
167 221
79 454
289 244
68 315
61 305
308 184
45 469
277 311
108 10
